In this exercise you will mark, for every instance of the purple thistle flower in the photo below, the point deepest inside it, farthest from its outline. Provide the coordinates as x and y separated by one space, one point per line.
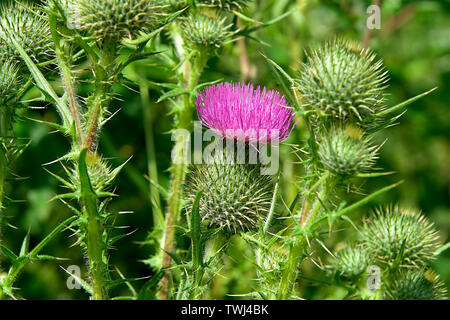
239 111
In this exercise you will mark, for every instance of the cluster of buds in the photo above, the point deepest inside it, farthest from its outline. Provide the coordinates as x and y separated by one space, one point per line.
343 86
402 243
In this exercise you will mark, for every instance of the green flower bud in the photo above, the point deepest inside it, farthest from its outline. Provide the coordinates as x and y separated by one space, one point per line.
10 81
346 152
29 27
350 263
342 81
225 4
203 33
100 174
115 19
417 285
236 197
401 236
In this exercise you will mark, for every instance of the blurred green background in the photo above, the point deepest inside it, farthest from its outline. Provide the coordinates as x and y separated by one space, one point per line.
414 42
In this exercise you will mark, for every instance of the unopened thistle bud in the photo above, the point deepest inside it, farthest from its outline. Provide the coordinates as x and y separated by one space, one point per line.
115 19
344 153
100 174
351 262
341 80
9 81
401 236
225 4
417 285
203 33
235 197
29 27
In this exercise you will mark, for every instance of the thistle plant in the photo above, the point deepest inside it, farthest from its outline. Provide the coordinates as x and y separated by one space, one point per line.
74 56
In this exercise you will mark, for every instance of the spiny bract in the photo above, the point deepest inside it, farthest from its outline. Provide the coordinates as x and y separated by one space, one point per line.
350 262
400 235
417 285
115 19
235 197
201 32
345 154
9 81
341 80
100 174
29 27
225 4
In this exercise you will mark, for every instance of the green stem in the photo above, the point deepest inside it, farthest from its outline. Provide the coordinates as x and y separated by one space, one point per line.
4 131
297 250
95 231
158 218
191 76
100 97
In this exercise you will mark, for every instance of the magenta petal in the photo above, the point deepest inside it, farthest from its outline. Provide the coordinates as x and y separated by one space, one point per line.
249 114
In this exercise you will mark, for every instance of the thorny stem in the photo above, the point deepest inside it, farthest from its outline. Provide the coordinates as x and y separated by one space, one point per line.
191 76
298 249
155 200
4 130
100 95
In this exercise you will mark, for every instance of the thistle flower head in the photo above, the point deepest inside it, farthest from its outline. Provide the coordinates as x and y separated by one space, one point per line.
350 262
344 153
235 197
27 26
399 235
115 19
343 81
9 81
417 285
201 32
225 4
239 111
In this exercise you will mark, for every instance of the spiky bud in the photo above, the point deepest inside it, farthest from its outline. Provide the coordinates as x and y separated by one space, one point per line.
115 19
350 263
235 197
203 33
346 151
341 80
9 81
400 236
417 285
29 27
225 4
100 173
